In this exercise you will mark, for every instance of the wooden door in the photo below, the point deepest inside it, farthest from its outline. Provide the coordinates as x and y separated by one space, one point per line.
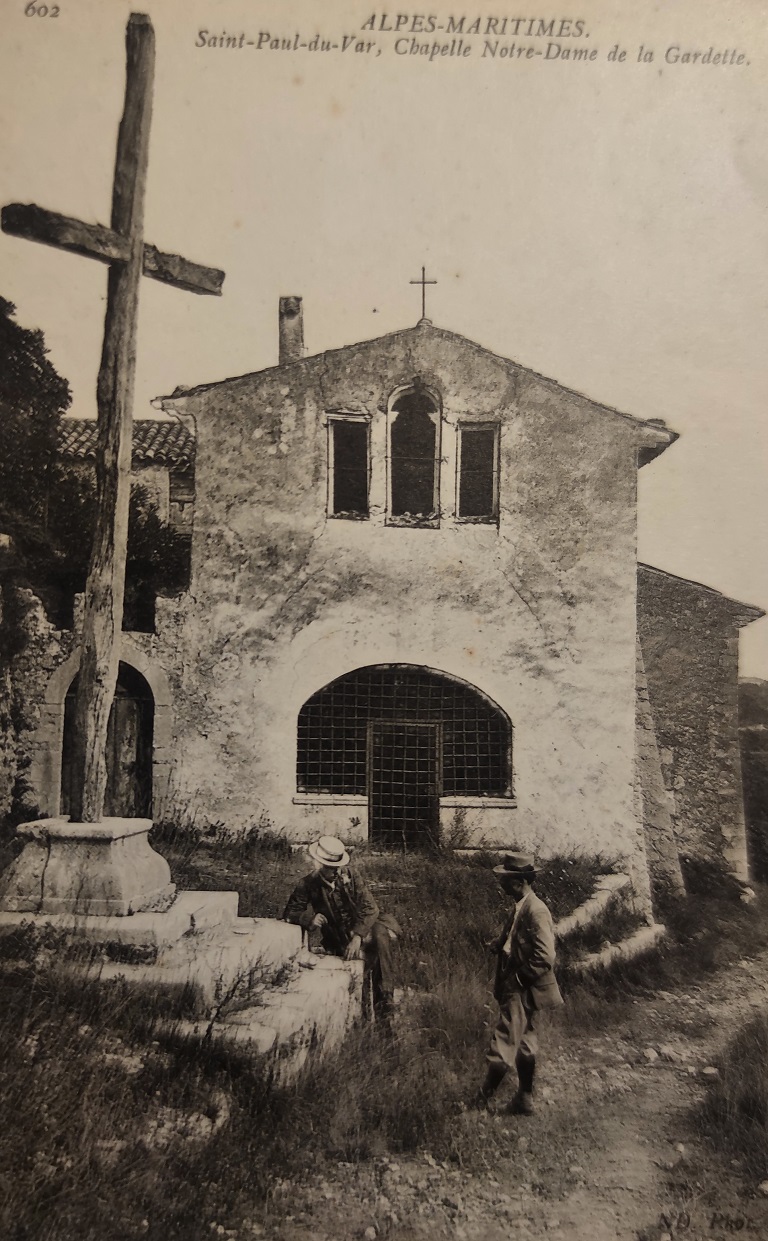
129 748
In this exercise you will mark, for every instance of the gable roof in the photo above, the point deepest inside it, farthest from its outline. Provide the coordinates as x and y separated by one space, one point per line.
165 442
658 435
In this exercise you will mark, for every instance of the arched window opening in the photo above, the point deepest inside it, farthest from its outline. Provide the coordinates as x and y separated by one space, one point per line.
129 748
414 460
405 736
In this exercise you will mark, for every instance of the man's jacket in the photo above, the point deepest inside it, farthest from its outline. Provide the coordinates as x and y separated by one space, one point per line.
349 909
525 961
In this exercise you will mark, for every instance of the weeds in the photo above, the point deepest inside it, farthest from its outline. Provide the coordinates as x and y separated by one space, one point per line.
703 935
735 1112
118 1128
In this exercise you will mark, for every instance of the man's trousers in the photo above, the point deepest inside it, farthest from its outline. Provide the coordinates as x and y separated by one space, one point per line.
378 953
515 1031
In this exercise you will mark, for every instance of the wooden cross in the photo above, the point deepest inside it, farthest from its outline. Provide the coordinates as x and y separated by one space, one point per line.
122 247
423 282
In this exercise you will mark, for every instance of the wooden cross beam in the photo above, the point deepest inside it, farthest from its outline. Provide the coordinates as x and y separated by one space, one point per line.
94 241
123 248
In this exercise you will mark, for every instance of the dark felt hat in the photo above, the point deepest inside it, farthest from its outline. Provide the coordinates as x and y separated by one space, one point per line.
517 866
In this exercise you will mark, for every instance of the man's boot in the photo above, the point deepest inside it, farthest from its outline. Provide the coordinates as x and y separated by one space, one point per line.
384 1011
493 1079
526 1071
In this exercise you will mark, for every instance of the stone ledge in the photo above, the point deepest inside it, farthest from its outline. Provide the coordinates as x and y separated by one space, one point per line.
190 911
606 888
62 828
206 966
644 939
311 1013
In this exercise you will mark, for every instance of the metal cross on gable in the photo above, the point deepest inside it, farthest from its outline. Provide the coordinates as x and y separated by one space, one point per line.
128 256
423 282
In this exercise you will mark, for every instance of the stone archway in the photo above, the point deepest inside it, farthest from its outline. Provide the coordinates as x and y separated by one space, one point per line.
48 738
128 750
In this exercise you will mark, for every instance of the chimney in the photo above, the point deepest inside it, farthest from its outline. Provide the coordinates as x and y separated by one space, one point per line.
291 330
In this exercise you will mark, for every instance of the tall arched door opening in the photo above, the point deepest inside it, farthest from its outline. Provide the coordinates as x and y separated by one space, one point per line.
129 748
405 736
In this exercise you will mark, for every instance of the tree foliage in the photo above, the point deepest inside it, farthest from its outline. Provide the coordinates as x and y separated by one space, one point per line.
33 397
48 505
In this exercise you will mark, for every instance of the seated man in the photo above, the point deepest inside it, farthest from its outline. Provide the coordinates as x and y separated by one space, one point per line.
335 900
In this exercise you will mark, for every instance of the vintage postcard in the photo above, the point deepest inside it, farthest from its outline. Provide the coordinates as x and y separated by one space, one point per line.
383 451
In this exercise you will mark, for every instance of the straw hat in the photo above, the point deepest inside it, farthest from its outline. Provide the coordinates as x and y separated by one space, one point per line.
328 851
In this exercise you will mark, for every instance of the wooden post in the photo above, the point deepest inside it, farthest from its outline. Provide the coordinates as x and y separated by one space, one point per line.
121 246
102 624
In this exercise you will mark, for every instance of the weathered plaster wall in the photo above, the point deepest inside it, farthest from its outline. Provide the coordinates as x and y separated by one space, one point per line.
538 613
689 637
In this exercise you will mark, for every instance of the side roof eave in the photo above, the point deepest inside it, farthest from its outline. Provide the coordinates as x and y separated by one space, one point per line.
743 613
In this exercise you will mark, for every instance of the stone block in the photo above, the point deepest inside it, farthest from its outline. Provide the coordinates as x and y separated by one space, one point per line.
208 910
107 868
310 1013
220 967
641 941
149 932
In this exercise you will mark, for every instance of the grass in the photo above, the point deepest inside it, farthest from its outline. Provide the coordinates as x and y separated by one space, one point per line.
735 1112
704 934
116 1128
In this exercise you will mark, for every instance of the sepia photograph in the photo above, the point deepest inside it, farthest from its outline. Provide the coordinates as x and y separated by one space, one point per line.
383 639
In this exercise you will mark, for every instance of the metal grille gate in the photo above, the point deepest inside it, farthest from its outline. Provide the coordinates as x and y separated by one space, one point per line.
403 783
403 735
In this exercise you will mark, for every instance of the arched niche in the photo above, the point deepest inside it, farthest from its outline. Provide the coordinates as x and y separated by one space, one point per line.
46 744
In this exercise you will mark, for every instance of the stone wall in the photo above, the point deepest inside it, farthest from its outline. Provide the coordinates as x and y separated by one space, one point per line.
22 699
753 735
537 612
655 805
7 742
689 638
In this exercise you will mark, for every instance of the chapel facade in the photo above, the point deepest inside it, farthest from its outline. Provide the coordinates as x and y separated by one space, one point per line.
413 616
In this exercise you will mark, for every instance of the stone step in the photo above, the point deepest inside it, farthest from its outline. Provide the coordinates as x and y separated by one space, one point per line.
212 967
311 1012
147 934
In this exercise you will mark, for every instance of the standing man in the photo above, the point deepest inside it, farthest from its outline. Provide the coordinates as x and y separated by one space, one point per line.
525 982
335 900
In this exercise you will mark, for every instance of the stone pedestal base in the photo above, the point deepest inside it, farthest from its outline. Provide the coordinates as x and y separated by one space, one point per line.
107 868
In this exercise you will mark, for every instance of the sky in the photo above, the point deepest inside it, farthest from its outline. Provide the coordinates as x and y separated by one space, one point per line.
601 221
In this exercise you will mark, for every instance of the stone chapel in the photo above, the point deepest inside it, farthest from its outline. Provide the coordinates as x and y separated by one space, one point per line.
415 613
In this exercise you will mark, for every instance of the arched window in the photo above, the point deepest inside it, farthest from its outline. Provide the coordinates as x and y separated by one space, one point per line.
406 736
414 443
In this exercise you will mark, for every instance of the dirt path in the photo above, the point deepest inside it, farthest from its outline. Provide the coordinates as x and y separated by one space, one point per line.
611 1154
